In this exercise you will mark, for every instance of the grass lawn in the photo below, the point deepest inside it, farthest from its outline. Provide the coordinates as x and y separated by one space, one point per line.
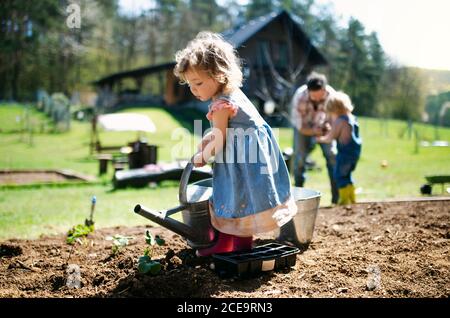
30 212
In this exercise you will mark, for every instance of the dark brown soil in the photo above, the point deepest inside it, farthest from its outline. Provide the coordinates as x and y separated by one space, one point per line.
396 249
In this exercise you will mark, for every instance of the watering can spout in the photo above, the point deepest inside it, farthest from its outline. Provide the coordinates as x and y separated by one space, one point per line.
196 226
163 219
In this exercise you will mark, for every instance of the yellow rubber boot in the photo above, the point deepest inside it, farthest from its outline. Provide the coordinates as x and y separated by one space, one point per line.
351 193
343 196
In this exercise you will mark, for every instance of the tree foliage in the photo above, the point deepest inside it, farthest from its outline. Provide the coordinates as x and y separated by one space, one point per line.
438 108
39 50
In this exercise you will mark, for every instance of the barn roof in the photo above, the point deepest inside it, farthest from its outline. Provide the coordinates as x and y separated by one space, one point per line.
135 73
241 33
237 36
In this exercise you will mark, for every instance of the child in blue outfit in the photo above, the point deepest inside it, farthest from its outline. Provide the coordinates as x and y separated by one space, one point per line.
251 185
345 130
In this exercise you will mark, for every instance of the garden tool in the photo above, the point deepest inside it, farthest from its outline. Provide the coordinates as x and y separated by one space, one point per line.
90 221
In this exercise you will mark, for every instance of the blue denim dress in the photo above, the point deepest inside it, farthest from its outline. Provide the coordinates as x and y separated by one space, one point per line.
249 173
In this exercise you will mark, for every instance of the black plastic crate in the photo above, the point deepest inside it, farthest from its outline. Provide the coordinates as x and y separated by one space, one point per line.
268 257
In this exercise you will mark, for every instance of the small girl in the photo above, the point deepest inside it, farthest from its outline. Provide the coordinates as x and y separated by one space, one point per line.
251 185
345 130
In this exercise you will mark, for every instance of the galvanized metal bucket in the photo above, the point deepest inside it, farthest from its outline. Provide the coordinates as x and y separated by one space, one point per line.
300 229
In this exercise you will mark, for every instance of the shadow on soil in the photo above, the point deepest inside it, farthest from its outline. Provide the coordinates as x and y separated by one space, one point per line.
186 275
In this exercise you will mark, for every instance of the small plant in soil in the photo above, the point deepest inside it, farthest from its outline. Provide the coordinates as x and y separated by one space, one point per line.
145 263
118 242
77 232
82 230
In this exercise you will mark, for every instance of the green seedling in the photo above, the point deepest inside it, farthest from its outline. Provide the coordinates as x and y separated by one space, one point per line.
82 230
79 231
145 263
118 242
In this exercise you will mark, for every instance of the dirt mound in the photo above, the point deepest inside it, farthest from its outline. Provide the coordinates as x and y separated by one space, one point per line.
364 250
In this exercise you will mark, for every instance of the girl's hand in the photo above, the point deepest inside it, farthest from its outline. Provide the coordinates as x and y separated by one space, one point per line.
215 140
198 160
205 141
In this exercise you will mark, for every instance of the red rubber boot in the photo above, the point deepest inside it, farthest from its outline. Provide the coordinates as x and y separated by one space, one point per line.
242 243
224 244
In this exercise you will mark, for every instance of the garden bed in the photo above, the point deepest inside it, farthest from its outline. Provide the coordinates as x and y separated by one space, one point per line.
41 177
391 249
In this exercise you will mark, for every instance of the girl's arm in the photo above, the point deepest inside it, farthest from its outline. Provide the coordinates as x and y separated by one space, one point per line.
218 135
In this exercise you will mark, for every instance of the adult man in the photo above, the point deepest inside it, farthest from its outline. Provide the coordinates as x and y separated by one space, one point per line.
309 120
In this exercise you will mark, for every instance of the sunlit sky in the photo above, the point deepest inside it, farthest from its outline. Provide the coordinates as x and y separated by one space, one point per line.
413 32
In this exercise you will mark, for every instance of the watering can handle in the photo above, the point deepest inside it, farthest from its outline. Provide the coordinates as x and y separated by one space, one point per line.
182 194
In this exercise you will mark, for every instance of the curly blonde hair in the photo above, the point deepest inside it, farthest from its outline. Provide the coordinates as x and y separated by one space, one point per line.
339 102
211 53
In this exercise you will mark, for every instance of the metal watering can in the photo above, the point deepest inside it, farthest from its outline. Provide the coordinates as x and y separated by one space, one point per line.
194 205
196 226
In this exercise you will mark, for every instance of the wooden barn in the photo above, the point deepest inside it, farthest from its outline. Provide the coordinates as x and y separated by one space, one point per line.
277 56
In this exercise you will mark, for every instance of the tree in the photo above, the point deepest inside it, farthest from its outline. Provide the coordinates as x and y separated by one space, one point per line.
328 37
232 14
437 108
357 59
21 24
375 71
404 93
38 49
257 8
